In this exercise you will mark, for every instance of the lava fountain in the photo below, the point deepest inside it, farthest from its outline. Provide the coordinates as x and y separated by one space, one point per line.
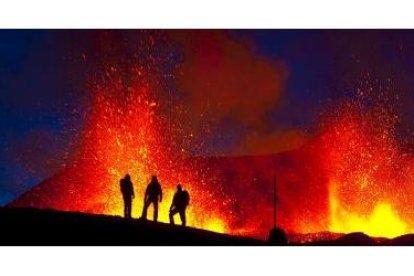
127 130
370 175
128 134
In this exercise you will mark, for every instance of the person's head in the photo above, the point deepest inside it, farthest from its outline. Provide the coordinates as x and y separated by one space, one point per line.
127 177
179 188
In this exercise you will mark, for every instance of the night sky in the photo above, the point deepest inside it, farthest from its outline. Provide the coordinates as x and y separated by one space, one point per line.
43 75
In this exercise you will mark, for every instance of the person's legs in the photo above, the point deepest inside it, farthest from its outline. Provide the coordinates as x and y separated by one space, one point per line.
155 210
182 216
125 207
172 213
129 209
145 209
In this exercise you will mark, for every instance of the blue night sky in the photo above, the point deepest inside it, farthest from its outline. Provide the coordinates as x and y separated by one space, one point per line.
41 82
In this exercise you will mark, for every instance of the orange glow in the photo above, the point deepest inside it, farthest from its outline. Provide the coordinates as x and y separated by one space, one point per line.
132 137
129 130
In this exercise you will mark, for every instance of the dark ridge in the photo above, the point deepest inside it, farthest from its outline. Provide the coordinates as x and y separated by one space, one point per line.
352 239
401 240
29 226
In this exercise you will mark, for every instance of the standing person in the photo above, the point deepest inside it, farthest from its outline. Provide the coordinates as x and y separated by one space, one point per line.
153 194
127 190
180 202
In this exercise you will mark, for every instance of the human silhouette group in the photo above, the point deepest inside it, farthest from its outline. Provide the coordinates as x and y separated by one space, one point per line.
153 195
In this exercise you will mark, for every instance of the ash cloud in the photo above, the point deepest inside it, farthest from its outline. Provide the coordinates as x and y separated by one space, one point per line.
223 79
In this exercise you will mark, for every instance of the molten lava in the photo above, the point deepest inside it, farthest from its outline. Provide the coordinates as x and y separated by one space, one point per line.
370 175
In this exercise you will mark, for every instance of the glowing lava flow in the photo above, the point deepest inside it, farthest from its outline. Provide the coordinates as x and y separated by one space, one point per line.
382 221
370 187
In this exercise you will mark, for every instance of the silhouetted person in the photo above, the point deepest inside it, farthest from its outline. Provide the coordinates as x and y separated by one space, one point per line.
153 194
127 191
180 202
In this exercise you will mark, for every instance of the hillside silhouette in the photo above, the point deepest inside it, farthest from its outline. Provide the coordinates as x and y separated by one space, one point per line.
69 190
29 226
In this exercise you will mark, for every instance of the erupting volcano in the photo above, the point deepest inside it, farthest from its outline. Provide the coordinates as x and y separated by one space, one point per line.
125 133
353 174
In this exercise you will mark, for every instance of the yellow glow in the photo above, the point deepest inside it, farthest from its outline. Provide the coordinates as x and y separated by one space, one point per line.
383 221
211 224
215 225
